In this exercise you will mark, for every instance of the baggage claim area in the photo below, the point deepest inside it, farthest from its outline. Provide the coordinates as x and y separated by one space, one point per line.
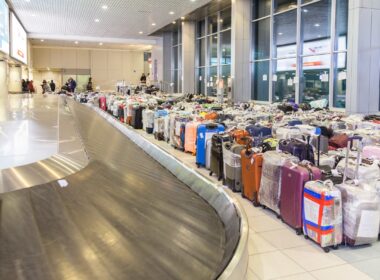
190 139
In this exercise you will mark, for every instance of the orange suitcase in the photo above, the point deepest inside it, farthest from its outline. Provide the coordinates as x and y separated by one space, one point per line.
240 136
211 116
251 166
191 137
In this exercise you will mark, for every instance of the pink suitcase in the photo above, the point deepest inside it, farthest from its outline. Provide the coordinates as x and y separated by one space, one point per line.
293 179
371 152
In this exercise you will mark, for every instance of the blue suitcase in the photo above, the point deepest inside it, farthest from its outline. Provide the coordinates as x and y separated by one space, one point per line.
258 130
204 132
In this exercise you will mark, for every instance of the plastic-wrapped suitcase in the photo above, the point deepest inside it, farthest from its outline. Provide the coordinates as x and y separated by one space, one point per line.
291 132
298 148
371 152
258 130
178 132
191 137
120 114
159 128
361 207
103 103
251 167
205 132
293 179
208 153
148 120
270 184
232 165
322 214
216 163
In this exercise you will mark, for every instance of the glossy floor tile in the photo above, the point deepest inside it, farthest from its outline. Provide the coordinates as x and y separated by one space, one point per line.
342 272
370 267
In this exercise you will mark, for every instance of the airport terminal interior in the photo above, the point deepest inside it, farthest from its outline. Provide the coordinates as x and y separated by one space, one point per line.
189 139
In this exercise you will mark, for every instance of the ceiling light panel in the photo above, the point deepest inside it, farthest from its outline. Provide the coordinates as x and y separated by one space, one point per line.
62 18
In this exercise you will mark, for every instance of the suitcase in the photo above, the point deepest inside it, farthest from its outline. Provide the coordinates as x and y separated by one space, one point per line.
232 166
120 114
205 132
293 179
159 128
371 152
148 121
291 132
251 165
322 214
191 137
240 136
258 130
136 120
103 103
338 141
178 133
298 148
208 153
270 184
361 206
216 162
294 122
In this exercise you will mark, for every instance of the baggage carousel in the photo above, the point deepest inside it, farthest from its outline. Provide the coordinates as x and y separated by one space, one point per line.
118 215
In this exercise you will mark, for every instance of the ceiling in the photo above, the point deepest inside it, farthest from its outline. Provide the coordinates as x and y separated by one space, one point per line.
122 21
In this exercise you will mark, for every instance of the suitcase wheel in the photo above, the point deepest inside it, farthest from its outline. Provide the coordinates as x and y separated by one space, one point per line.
210 173
335 247
326 250
220 178
278 216
256 204
298 231
198 165
264 207
306 237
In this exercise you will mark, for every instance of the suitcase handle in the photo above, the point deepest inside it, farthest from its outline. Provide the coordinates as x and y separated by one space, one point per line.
350 143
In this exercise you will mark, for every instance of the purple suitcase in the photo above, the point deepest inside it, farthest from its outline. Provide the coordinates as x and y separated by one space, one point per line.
293 179
298 149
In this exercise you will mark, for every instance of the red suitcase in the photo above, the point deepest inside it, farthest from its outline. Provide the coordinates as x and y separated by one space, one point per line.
293 179
103 103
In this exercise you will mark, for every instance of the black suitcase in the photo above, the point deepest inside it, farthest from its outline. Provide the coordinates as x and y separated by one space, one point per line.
137 117
216 162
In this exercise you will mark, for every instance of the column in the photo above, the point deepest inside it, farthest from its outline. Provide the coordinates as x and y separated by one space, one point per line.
15 77
240 48
363 69
188 57
167 59
3 78
157 62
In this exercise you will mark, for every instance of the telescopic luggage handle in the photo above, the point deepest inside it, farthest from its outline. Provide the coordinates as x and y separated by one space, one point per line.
351 140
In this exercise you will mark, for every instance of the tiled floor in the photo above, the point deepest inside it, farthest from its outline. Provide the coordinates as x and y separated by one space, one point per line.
276 252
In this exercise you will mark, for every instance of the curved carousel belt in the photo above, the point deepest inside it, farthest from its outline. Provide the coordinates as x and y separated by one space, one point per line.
123 216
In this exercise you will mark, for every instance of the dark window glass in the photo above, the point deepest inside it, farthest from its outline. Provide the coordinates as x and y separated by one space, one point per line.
261 8
179 89
180 34
283 5
201 80
284 86
316 27
175 80
175 38
225 47
261 39
213 49
340 80
225 19
285 34
202 52
260 81
201 28
315 78
212 26
306 1
341 24
175 57
226 76
212 81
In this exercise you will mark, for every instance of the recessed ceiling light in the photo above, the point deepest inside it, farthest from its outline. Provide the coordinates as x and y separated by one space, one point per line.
153 24
76 42
104 7
141 32
317 25
42 40
280 33
100 44
182 18
97 20
305 10
174 22
171 13
33 15
193 0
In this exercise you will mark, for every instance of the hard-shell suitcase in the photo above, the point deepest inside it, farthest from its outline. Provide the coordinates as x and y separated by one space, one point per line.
293 179
239 135
371 152
208 153
251 167
216 163
120 113
298 148
205 132
136 121
103 103
361 206
322 214
232 165
148 120
294 122
258 130
270 184
191 137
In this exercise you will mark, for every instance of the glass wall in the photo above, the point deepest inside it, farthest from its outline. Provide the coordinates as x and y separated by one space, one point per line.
176 68
213 62
299 50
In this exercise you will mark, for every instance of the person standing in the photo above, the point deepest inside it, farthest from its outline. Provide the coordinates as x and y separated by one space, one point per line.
45 87
31 87
143 79
89 85
72 85
52 86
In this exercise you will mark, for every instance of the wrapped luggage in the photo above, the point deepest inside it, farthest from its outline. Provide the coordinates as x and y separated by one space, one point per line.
232 165
216 162
191 137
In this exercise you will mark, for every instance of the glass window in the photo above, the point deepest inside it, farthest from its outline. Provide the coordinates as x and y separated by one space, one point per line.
225 19
180 33
261 8
261 39
340 80
260 81
283 5
180 57
341 24
180 78
285 34
175 38
175 80
226 76
225 47
306 1
212 79
201 28
315 78
201 80
212 24
213 50
316 26
284 87
202 52
175 57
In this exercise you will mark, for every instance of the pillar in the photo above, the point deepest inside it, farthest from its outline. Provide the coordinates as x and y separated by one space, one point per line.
363 69
157 62
3 78
167 60
15 77
240 48
188 57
